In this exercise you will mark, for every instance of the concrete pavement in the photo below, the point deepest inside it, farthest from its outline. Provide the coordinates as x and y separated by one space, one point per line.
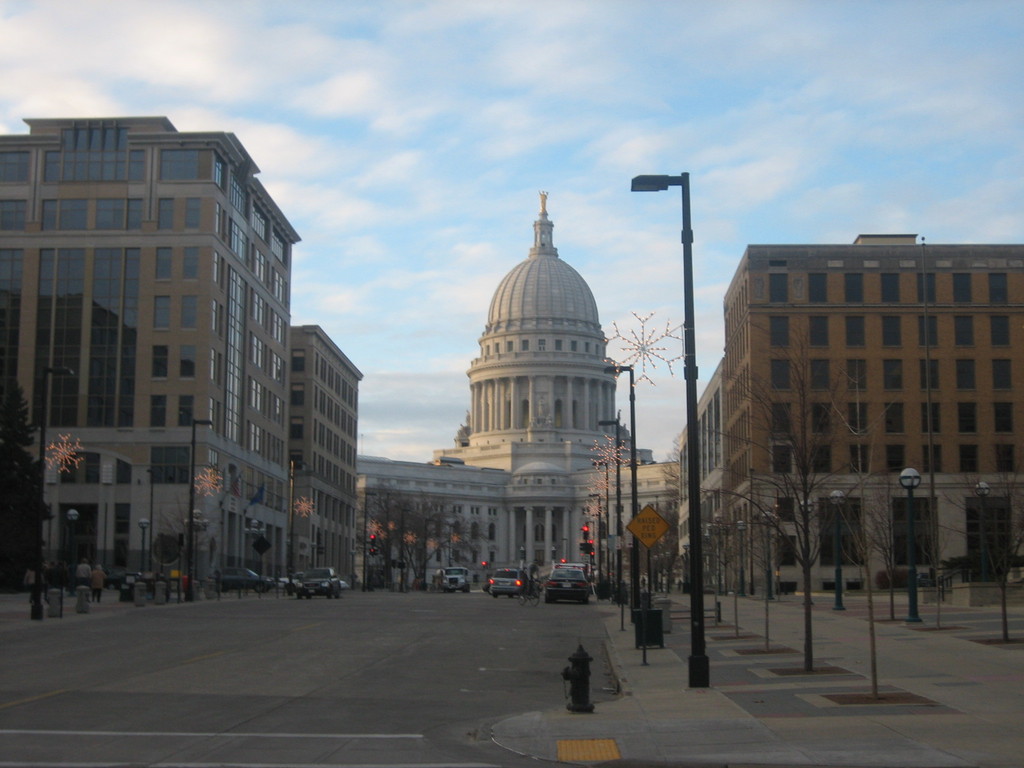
949 696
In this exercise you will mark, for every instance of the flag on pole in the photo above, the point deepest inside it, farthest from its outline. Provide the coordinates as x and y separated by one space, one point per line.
257 497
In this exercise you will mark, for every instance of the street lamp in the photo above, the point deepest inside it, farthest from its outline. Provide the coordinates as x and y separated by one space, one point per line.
143 525
741 526
699 666
910 479
618 516
982 489
36 611
72 554
191 546
634 558
837 498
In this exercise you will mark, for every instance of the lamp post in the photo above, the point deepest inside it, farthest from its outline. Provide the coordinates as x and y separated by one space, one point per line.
741 527
634 557
36 611
699 666
191 544
72 555
837 498
910 479
983 489
143 525
618 517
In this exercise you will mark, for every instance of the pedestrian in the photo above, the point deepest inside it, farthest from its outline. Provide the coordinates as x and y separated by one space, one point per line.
29 581
99 578
83 574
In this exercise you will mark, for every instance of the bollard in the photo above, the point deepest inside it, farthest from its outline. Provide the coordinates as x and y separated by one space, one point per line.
53 598
578 675
140 593
82 600
160 593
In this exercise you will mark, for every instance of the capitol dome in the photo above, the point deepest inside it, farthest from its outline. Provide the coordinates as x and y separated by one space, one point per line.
542 291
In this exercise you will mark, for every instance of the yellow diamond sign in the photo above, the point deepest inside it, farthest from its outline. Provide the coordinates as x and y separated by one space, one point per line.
648 526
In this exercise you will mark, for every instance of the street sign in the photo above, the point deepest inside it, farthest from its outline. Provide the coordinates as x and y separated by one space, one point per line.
648 526
261 545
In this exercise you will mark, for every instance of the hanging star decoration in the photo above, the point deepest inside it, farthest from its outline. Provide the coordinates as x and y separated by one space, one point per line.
304 506
208 481
63 454
646 347
608 453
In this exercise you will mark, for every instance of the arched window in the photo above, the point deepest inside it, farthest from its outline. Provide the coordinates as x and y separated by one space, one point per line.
491 533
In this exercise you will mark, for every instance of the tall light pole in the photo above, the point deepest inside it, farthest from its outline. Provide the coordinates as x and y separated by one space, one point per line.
837 498
910 478
634 557
143 525
191 544
36 611
982 489
618 516
741 528
699 666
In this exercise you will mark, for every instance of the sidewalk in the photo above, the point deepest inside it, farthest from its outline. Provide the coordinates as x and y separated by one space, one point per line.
950 697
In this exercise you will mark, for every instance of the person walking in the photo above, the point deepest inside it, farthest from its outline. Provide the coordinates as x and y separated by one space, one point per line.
83 575
98 578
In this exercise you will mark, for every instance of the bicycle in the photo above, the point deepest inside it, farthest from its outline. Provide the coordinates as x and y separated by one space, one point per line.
531 593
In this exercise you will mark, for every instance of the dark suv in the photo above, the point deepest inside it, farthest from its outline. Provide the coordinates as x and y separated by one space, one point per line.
319 581
507 581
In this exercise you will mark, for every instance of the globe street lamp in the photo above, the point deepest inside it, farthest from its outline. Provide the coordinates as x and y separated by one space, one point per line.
910 479
837 497
634 557
72 554
699 666
191 544
982 489
618 517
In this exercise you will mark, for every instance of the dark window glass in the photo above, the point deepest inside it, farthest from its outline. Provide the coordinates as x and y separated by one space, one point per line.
185 410
895 459
934 422
962 287
299 360
817 288
997 289
935 464
1002 415
857 417
160 361
190 263
13 166
780 374
928 370
963 330
853 287
778 287
894 417
967 417
109 214
192 211
821 461
928 279
779 331
965 378
892 374
187 361
1005 461
780 418
859 458
857 374
179 164
821 375
161 311
817 330
821 418
164 262
968 458
166 213
890 288
158 410
134 220
932 338
891 331
999 329
782 458
855 331
12 215
169 463
1001 374
73 214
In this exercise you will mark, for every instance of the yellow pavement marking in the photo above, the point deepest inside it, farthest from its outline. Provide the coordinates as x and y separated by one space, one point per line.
203 658
307 626
587 750
33 698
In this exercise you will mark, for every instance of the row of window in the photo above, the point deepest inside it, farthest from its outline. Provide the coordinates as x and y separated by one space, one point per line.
854 375
894 459
859 418
890 330
542 346
887 288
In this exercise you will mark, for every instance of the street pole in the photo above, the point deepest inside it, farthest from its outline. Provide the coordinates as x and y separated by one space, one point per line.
982 489
618 518
910 478
191 543
837 497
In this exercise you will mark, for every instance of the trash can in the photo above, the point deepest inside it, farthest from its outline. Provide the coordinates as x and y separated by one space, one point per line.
53 600
647 628
604 589
663 605
140 593
127 594
160 593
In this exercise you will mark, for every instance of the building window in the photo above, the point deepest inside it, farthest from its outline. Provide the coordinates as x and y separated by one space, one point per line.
892 374
821 374
932 337
895 458
890 288
12 215
1002 416
965 378
969 458
187 361
161 312
934 463
169 463
160 361
71 214
179 164
821 461
780 418
558 345
778 331
298 396
1001 374
164 262
853 287
524 345
859 458
817 330
962 287
1005 461
542 345
926 287
932 424
778 287
782 458
296 428
928 371
821 418
190 263
817 288
891 327
999 330
855 331
963 330
189 306
967 418
185 410
894 418
13 166
193 210
165 213
857 417
110 213
780 374
158 410
997 289
857 374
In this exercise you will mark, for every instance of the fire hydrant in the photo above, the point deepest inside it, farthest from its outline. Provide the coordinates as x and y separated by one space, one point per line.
578 675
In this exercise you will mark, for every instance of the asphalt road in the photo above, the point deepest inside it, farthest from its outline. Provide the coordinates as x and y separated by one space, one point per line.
375 679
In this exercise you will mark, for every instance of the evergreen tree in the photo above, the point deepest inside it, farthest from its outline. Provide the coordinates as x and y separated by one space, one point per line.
20 479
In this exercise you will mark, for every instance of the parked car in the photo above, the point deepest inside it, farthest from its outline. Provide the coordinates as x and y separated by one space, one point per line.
243 578
507 581
292 584
455 579
115 577
319 581
567 584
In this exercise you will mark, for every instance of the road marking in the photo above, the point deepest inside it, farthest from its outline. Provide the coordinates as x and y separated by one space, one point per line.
33 698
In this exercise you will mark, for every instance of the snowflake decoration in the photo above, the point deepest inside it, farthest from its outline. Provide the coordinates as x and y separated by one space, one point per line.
304 506
64 454
646 347
410 538
208 481
608 453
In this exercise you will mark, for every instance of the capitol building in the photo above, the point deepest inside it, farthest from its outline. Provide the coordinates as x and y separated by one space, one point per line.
530 477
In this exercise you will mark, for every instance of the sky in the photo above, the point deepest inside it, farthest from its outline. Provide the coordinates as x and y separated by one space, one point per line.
407 141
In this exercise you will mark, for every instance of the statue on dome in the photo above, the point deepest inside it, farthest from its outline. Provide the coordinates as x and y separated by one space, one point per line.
543 202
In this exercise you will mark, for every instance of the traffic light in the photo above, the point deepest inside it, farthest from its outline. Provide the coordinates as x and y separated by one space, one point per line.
373 543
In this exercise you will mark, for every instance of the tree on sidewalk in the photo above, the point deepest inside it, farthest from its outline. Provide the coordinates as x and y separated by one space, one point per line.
20 479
